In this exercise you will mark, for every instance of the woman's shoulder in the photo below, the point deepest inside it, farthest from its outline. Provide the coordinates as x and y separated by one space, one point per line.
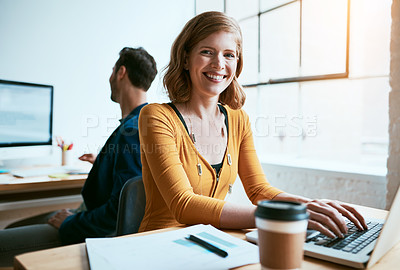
156 108
236 113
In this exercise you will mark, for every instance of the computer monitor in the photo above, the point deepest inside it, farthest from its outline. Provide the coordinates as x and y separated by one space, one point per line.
26 119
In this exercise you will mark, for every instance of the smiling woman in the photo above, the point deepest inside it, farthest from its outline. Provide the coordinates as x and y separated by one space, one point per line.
211 64
178 83
194 148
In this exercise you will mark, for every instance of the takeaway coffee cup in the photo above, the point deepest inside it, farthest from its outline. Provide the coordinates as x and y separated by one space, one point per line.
282 230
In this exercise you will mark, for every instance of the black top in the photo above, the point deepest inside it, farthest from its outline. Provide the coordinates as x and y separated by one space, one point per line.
217 167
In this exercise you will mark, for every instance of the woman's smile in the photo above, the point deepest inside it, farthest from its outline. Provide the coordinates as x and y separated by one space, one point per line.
212 64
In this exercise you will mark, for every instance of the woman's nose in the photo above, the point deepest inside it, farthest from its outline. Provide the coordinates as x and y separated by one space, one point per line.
218 62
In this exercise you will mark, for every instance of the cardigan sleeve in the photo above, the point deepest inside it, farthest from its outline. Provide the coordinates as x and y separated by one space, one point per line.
250 170
159 149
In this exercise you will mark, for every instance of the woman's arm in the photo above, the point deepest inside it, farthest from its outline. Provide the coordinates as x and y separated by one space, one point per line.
237 216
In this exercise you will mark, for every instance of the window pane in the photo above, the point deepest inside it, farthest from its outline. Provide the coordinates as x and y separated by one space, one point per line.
337 106
324 30
370 37
352 120
209 5
280 42
277 125
268 4
240 9
375 121
250 51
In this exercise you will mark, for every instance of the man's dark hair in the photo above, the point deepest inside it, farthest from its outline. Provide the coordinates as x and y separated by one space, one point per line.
140 66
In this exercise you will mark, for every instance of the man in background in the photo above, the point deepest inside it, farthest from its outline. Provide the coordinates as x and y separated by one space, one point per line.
117 162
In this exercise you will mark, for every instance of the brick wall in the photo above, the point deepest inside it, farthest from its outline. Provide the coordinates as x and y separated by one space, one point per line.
357 188
354 188
393 164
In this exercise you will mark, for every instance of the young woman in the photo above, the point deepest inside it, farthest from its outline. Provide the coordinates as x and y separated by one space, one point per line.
194 147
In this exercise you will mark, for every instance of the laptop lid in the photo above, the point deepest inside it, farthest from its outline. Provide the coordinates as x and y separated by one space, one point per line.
390 234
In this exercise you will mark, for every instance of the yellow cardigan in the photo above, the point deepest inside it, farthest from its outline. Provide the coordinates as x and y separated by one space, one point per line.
175 193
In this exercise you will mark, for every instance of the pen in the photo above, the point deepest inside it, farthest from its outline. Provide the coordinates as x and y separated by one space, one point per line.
208 246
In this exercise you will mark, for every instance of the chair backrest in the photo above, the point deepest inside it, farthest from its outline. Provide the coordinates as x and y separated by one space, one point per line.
132 202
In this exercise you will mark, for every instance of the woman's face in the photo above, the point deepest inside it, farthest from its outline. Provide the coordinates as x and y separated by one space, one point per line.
212 64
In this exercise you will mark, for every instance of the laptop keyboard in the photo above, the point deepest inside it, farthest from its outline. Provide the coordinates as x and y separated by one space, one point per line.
354 240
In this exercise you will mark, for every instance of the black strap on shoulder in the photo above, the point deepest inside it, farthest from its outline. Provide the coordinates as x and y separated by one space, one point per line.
221 108
179 115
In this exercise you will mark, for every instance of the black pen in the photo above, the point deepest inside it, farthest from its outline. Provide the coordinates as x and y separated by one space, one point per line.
208 246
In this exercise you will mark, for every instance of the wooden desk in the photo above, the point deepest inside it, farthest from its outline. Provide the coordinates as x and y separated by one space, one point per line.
24 197
41 183
74 257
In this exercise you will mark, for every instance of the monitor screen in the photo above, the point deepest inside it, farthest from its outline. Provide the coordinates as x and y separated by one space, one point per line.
26 113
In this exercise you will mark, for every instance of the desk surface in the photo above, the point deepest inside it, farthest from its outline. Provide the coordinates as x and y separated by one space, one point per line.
75 256
12 185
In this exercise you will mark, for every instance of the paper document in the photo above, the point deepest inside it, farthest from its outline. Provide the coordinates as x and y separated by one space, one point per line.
170 250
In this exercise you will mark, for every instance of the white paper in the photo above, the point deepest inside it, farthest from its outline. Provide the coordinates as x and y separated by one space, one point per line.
170 250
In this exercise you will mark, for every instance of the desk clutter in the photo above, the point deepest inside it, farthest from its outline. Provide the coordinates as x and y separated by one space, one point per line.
65 150
172 250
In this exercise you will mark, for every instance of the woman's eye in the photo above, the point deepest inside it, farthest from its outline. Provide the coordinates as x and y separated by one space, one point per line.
206 52
230 55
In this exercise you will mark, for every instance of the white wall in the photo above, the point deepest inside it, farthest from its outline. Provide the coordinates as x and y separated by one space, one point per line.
74 44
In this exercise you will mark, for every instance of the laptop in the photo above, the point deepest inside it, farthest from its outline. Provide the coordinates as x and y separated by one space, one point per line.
359 249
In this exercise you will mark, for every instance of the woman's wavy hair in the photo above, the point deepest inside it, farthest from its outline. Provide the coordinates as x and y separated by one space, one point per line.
177 79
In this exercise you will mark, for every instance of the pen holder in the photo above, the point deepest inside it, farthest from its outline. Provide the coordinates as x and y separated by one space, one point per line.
66 157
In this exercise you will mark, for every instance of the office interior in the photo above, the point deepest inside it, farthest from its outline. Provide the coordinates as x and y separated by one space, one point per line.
325 114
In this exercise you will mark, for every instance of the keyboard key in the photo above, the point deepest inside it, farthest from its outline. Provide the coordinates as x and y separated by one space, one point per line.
347 249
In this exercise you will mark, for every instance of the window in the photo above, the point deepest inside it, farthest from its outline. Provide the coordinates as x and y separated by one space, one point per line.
316 74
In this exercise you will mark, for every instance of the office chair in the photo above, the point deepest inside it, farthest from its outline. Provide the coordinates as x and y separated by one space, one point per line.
132 202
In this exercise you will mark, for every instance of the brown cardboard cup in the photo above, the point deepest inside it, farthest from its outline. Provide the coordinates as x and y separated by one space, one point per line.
282 230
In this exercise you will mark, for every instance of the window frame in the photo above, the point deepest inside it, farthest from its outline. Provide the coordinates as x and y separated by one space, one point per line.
330 76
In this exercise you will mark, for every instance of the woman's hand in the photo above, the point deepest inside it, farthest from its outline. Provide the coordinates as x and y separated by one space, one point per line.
326 216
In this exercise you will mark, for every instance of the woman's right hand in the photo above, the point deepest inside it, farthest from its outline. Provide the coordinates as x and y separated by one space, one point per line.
88 157
326 216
